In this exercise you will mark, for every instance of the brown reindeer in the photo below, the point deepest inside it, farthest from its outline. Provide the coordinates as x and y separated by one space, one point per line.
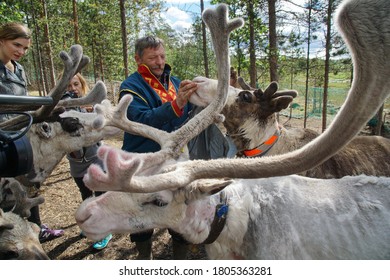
251 122
18 237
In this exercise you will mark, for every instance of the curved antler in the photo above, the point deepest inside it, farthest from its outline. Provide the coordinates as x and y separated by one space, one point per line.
73 62
172 144
243 84
97 94
365 27
220 28
21 203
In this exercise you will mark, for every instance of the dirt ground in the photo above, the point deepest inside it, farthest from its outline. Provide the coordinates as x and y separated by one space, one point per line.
62 199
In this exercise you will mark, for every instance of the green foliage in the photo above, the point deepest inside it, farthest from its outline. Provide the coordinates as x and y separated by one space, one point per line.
11 10
99 26
239 39
186 56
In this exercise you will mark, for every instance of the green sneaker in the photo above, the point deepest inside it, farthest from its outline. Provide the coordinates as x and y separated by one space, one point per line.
102 243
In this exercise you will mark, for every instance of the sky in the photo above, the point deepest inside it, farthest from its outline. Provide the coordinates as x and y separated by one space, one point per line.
180 13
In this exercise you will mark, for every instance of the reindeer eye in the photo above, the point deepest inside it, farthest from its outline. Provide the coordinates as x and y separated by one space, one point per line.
245 96
45 127
159 203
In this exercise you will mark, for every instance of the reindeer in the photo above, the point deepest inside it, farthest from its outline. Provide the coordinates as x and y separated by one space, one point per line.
18 237
288 217
251 122
51 136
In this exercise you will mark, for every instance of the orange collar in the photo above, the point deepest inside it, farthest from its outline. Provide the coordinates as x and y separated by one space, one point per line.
264 147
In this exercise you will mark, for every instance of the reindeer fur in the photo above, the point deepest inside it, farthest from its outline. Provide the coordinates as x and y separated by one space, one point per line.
291 217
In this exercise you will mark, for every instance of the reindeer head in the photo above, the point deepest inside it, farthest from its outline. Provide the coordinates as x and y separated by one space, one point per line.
249 113
18 237
117 212
53 135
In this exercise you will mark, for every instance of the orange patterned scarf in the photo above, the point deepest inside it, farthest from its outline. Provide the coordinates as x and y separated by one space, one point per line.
166 96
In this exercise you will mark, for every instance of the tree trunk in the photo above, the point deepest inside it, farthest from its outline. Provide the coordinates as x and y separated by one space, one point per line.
38 57
379 116
124 38
47 48
252 50
95 74
75 23
239 59
204 43
273 48
101 66
327 56
307 63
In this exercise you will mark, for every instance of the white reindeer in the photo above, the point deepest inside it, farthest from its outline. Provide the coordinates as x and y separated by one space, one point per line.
290 217
277 218
51 137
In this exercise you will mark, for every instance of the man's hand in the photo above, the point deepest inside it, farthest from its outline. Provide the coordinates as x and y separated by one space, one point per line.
186 89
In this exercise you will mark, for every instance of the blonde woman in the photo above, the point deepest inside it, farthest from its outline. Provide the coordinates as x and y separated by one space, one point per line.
80 160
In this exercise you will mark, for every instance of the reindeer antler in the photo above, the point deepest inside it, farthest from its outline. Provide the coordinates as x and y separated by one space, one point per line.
220 28
95 96
172 144
22 204
73 62
365 28
369 41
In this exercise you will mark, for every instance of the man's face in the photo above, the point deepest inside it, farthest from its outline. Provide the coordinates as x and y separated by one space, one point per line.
154 58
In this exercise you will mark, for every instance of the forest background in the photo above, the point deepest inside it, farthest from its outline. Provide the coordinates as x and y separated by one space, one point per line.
294 42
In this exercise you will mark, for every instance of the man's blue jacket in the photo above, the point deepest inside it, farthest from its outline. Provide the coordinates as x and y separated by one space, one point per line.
148 108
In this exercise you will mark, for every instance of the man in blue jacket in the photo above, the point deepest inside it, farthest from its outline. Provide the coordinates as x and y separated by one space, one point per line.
159 100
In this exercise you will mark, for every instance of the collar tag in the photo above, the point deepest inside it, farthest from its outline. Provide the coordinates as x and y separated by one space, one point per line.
222 210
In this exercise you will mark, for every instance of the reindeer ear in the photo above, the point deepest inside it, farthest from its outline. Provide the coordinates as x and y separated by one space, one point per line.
282 99
210 186
280 103
44 130
273 101
243 84
3 223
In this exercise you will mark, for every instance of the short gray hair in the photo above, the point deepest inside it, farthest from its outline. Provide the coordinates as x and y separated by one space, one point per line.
147 42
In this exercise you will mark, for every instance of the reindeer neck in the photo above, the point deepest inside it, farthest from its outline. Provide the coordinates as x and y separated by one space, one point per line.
199 216
292 139
260 140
